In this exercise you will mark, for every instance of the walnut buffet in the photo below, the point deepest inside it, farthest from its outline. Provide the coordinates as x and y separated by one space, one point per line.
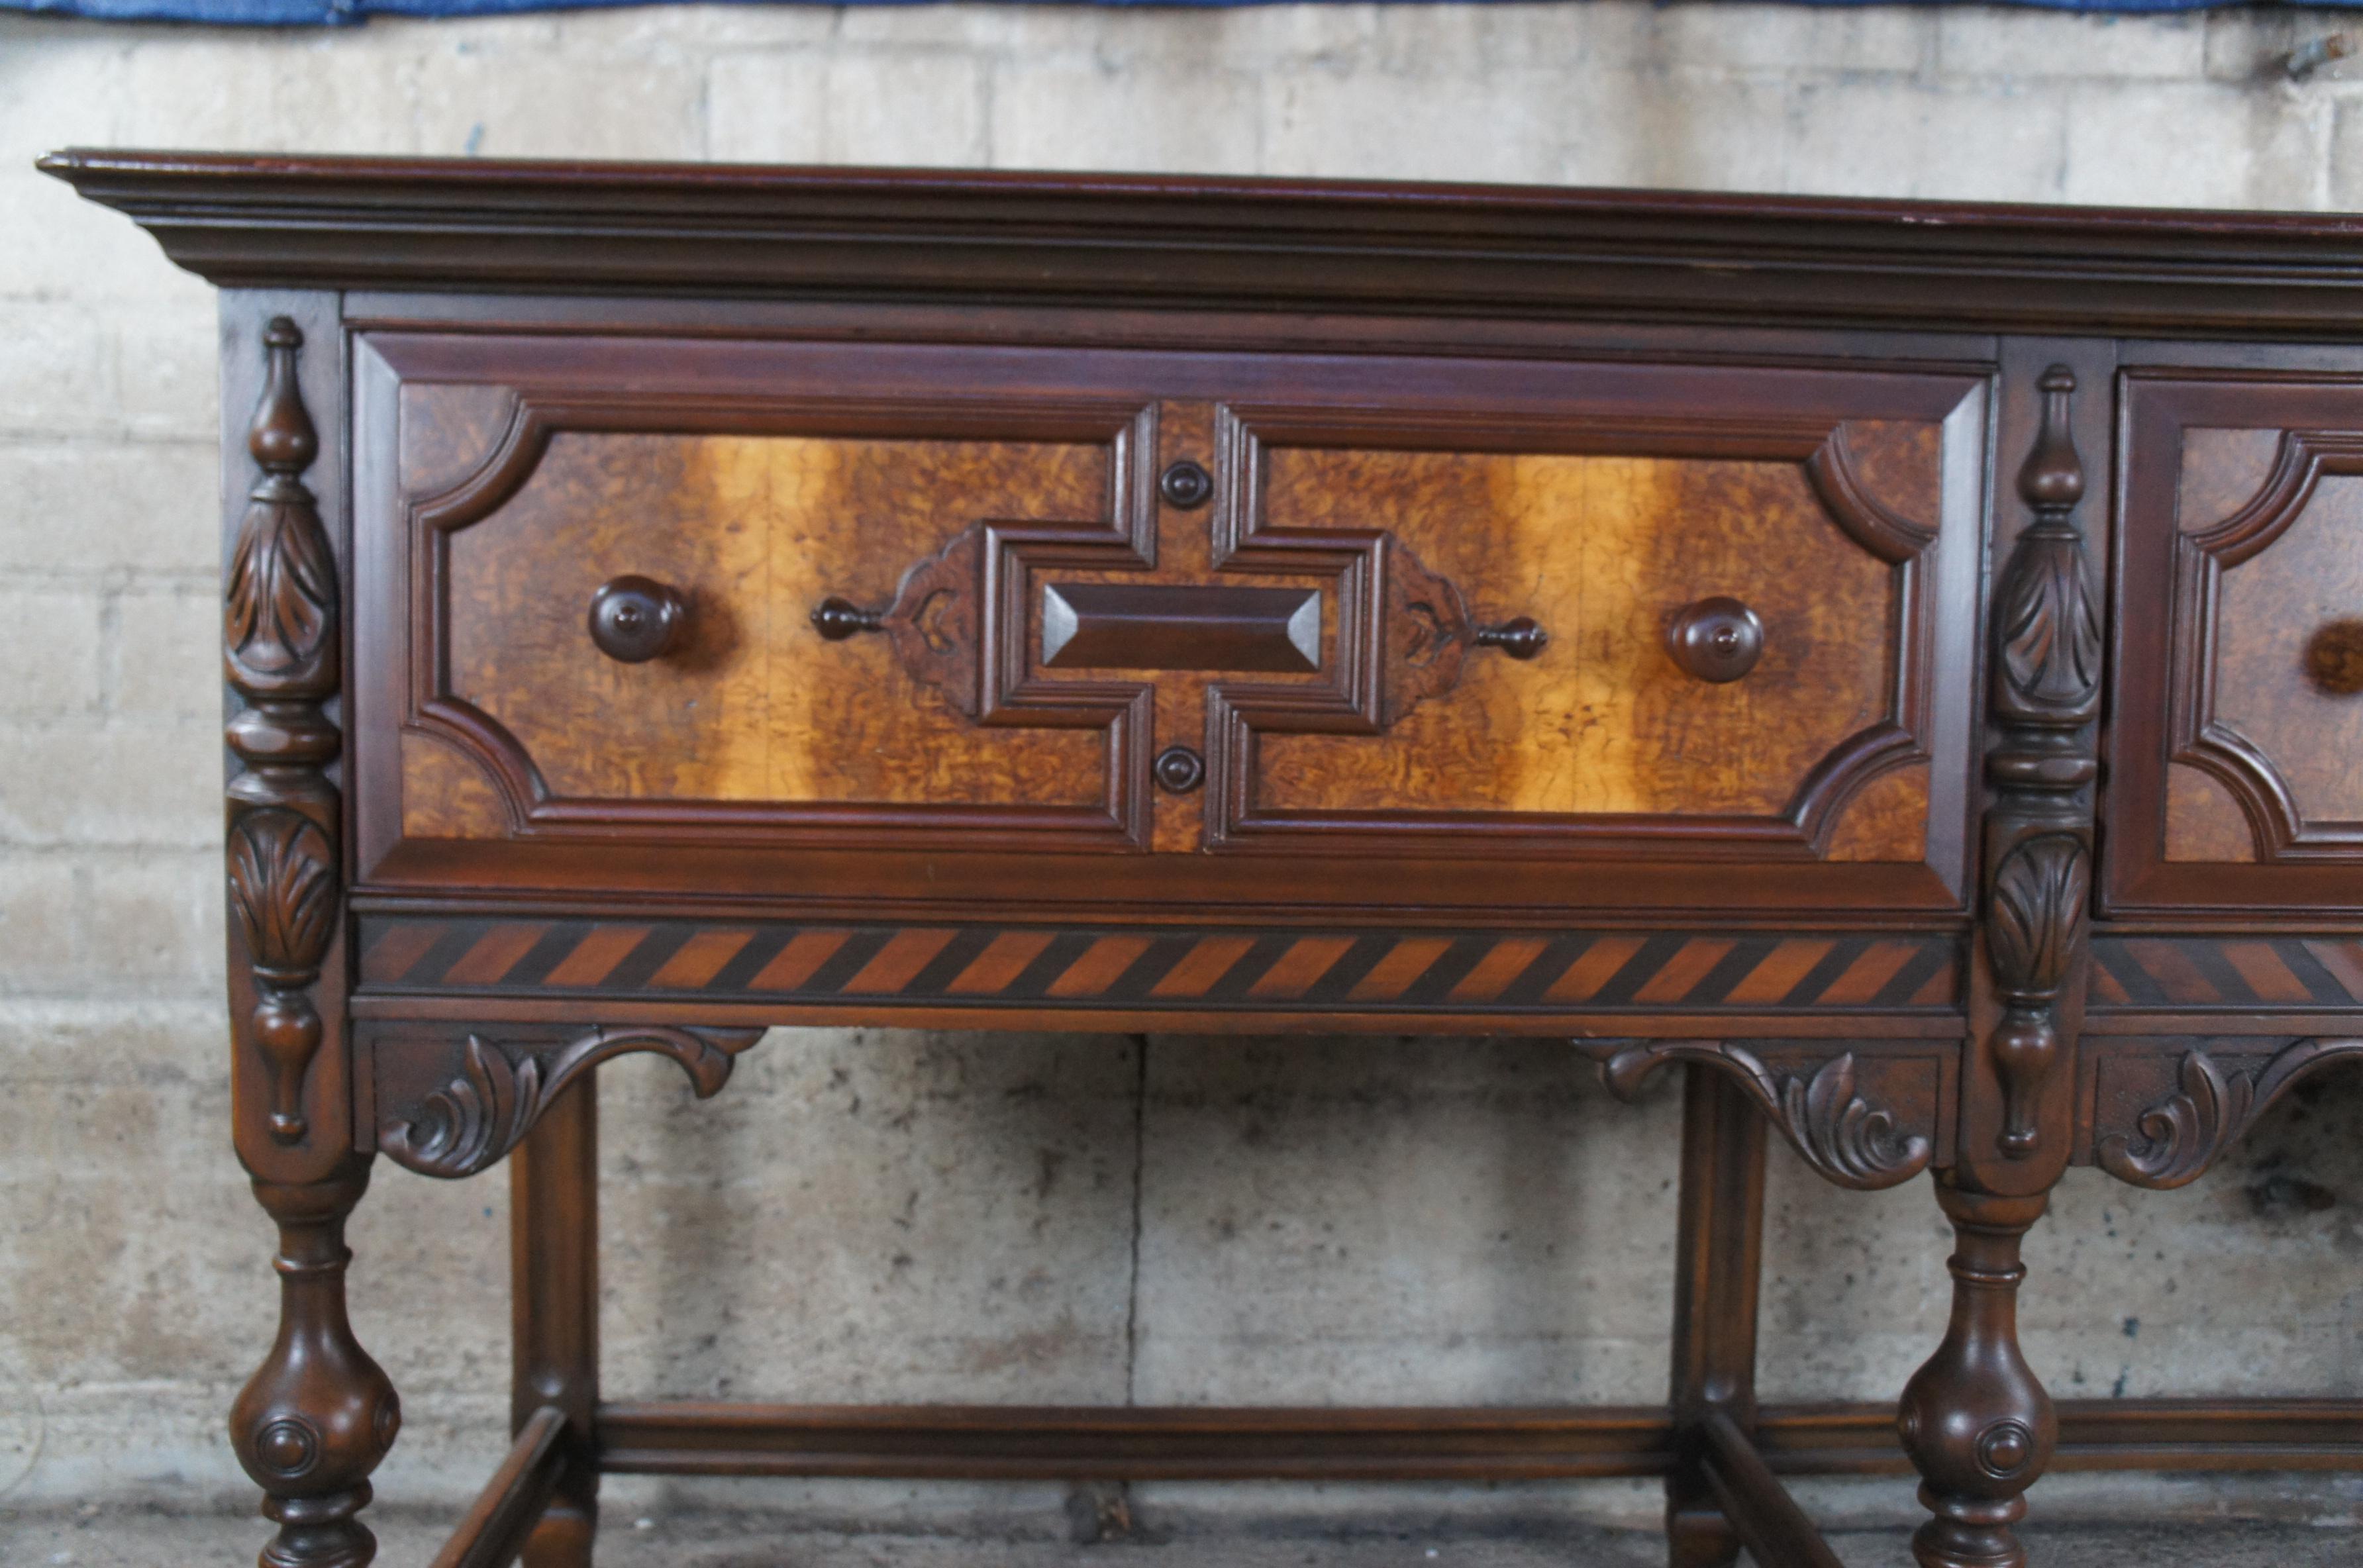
1901 664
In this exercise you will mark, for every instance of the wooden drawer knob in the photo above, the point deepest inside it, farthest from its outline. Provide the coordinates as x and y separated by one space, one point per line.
1717 639
636 619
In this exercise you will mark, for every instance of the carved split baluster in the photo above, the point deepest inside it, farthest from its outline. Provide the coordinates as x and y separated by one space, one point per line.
319 1414
2038 831
1974 1419
279 637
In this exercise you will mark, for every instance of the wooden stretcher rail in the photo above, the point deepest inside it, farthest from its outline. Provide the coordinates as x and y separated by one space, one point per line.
1765 1516
511 1503
1015 1443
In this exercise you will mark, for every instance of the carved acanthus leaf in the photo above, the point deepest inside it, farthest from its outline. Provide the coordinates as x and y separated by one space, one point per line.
468 1124
1843 1136
2035 912
279 604
2177 1139
2048 626
283 883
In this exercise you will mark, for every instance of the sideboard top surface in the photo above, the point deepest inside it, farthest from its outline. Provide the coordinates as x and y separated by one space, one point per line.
1229 243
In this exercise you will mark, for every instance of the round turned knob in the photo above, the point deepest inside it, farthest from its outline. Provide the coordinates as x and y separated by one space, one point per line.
636 619
1179 769
1716 639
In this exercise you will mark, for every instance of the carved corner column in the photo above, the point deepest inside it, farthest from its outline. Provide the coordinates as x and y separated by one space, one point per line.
318 1415
1975 1419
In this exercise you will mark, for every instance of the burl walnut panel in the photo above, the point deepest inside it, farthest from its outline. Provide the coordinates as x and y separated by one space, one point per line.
756 531
1605 551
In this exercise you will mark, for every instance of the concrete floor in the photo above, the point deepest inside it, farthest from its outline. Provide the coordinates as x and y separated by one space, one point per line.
95 1539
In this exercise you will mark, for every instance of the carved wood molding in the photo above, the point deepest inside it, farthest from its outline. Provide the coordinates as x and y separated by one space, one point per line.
2174 1141
2200 739
479 1115
2039 832
1846 1139
280 641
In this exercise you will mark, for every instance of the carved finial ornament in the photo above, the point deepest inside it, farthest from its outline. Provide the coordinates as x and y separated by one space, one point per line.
280 642
2046 696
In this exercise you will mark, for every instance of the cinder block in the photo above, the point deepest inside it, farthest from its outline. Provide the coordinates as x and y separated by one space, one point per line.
1080 117
2226 147
57 365
1399 1222
1366 125
1806 39
2346 171
767 109
498 100
1687 130
151 922
2052 43
691 33
1902 140
167 384
898 106
55 667
75 782
856 1185
39 951
91 507
165 639
2251 45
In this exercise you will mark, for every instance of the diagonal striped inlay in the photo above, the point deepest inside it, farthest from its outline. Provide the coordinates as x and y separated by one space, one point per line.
1440 972
2306 973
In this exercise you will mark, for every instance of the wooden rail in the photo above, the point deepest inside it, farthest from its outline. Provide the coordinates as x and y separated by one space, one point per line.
511 1503
1018 1442
1767 1519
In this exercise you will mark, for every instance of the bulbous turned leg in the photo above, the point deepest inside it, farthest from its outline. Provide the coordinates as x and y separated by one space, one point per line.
1974 1418
318 1415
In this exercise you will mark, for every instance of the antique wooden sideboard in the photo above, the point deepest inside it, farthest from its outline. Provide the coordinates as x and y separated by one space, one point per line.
1902 664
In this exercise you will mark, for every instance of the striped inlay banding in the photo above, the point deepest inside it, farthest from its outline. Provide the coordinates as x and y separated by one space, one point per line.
1235 969
2139 973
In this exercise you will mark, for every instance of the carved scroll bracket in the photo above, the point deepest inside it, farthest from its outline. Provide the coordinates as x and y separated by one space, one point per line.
2038 831
2176 1140
1843 1136
482 1112
280 642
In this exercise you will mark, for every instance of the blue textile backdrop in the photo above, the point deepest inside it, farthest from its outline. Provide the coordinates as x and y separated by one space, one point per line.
347 13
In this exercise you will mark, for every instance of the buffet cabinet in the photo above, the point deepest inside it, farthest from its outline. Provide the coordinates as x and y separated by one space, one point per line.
1900 666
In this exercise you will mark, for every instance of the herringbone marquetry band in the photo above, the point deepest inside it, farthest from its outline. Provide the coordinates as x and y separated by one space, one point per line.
1161 968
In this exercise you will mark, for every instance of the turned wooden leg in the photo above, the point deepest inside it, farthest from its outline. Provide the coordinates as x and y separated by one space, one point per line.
1718 1261
554 1285
318 1416
1974 1418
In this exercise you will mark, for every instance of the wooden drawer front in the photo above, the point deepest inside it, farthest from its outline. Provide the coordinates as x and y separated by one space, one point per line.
1384 605
2233 777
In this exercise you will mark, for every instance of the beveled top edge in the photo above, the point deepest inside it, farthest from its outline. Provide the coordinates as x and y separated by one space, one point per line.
1252 243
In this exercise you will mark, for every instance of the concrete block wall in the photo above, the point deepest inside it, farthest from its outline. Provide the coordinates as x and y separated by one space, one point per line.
882 1216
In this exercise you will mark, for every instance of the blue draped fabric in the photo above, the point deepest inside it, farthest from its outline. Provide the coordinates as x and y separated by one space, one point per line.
347 13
